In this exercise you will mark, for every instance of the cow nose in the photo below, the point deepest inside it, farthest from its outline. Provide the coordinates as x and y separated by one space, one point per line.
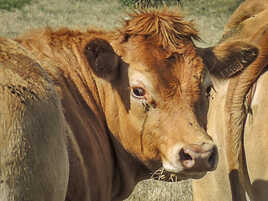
199 157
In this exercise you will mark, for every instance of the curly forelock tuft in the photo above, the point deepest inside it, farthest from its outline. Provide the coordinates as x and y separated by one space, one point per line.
167 28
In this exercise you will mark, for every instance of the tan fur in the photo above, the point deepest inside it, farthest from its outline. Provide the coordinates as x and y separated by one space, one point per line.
246 10
248 24
235 105
114 139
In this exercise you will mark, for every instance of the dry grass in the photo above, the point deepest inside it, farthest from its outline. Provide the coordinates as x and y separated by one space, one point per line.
210 17
71 13
151 190
107 14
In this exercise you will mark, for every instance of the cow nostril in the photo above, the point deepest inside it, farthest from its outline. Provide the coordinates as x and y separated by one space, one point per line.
186 159
199 158
184 156
212 160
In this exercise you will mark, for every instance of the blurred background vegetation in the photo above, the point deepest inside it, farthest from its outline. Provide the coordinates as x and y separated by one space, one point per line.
148 3
210 16
13 4
225 5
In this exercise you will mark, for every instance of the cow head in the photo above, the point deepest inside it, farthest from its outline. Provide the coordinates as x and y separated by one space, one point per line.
154 93
226 62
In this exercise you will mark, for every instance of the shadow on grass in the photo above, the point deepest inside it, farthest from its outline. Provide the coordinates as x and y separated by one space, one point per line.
11 5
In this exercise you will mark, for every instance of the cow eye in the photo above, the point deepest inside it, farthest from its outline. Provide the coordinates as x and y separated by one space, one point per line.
138 92
172 58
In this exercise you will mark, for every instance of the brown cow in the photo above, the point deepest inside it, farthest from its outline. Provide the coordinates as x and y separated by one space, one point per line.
134 100
237 110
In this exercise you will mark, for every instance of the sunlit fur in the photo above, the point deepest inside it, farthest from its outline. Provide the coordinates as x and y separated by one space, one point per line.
166 28
247 25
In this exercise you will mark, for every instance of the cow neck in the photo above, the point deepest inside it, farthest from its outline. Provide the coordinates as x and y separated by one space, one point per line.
125 167
91 91
90 94
128 171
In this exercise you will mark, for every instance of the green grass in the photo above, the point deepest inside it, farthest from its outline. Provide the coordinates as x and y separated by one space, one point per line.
210 17
13 4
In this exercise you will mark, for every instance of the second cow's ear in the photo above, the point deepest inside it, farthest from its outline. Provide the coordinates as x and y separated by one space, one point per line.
228 58
102 59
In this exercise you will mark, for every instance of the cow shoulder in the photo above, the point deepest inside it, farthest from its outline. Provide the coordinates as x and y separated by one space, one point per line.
32 142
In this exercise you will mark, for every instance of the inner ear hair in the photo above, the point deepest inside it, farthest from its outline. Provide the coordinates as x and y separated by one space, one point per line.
229 58
102 58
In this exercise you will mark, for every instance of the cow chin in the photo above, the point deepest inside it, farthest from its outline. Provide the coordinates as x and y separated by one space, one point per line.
163 175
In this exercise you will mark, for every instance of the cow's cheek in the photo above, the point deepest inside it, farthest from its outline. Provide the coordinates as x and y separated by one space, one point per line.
137 110
131 129
141 128
151 137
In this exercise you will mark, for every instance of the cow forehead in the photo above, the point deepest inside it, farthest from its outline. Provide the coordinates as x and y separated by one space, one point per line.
153 57
138 49
181 74
138 77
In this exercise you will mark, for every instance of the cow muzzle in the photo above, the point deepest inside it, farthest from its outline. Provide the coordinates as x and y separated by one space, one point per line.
192 160
189 161
199 158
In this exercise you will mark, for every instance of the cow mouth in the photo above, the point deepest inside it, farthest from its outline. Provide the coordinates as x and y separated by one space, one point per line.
162 175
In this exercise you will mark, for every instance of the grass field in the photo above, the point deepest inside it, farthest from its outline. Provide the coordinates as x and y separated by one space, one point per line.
209 15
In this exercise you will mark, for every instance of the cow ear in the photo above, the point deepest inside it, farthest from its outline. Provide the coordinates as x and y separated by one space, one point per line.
228 59
102 59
